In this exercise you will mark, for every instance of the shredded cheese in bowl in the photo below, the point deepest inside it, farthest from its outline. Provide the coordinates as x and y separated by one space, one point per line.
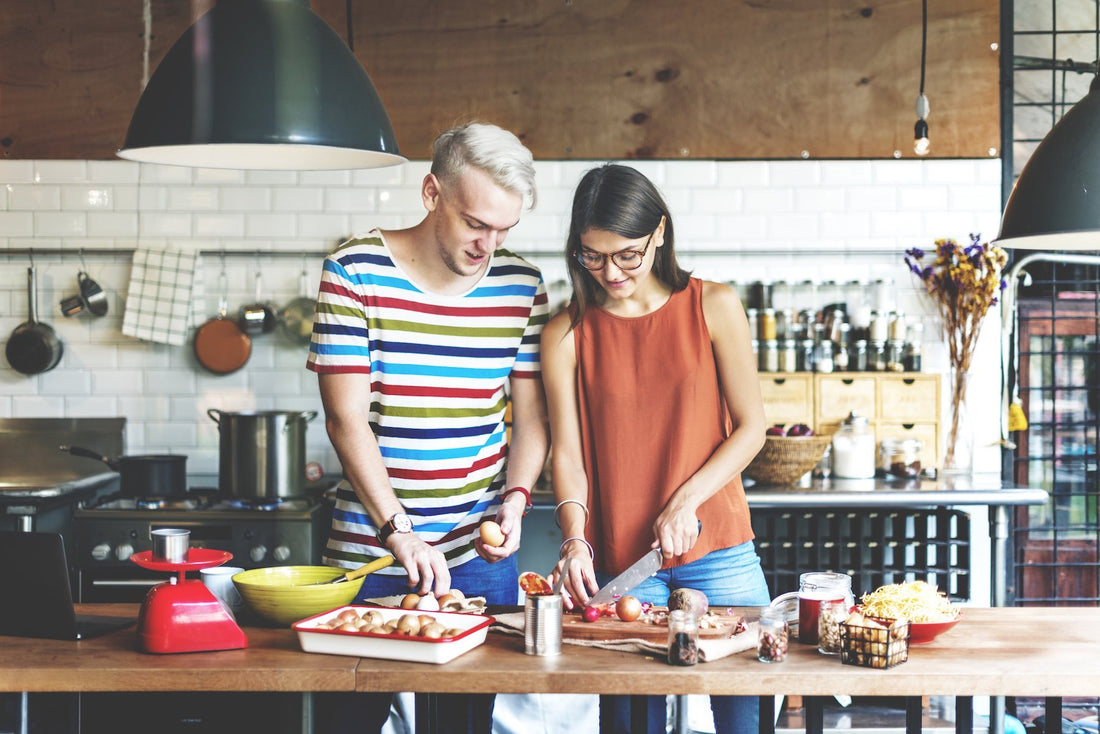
916 601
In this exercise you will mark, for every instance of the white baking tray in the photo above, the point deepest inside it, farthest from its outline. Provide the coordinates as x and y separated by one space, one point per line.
413 649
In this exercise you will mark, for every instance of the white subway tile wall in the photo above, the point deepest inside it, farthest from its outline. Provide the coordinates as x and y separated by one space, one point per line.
736 222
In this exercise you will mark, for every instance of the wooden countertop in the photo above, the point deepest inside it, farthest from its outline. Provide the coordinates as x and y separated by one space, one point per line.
993 651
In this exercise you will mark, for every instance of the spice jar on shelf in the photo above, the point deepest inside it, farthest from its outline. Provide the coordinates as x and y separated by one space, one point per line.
773 636
683 638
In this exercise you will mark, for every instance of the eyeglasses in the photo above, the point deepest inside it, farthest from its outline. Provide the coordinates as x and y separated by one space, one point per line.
623 259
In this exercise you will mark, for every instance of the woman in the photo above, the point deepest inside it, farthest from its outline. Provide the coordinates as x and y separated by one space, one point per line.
654 410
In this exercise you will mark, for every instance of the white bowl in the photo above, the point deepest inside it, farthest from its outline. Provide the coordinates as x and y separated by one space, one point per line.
314 638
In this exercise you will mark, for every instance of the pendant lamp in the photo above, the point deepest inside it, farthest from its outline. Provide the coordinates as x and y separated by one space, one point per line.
1055 203
921 144
261 84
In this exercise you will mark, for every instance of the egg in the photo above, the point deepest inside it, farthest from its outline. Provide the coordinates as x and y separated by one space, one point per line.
491 534
428 603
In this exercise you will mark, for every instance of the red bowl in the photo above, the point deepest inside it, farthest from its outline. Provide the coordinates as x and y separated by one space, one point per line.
928 631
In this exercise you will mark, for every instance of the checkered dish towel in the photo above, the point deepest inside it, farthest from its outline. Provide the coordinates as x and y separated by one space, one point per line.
166 296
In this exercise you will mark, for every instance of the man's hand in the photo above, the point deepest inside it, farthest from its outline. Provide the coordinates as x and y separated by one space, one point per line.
510 519
427 567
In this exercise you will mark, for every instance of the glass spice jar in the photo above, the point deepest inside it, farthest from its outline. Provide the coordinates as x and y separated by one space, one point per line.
773 636
788 356
904 458
830 616
683 638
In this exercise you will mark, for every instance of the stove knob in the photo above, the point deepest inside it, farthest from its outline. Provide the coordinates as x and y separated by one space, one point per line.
101 552
124 551
281 553
257 553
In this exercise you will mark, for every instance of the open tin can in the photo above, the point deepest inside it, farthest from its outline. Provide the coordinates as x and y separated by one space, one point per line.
542 615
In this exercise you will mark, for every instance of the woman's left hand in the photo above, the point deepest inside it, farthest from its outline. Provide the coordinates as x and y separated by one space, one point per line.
676 531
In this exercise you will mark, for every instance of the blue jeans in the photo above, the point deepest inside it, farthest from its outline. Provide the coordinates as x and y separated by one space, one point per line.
338 713
730 577
497 582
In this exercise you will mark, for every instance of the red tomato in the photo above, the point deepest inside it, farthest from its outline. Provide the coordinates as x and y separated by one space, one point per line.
628 608
534 584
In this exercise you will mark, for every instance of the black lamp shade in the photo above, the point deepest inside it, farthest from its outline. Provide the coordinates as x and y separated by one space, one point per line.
1055 204
261 84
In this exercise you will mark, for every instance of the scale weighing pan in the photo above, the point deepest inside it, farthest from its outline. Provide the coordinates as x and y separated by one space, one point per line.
182 615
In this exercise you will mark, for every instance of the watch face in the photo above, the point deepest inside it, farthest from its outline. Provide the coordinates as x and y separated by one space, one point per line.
402 523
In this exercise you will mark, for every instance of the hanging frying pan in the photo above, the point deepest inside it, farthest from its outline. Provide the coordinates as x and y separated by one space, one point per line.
220 345
33 347
296 318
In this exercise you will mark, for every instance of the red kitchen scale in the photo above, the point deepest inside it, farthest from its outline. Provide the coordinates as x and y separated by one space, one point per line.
182 615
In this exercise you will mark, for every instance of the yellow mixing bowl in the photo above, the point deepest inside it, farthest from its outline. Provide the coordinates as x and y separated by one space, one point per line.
283 594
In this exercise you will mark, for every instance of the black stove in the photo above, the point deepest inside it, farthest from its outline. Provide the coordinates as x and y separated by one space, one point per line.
259 533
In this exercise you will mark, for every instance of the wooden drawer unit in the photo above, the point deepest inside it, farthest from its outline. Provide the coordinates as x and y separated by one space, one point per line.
838 394
909 398
897 404
788 398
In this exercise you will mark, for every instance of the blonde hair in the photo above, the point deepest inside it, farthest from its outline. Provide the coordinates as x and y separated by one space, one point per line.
491 149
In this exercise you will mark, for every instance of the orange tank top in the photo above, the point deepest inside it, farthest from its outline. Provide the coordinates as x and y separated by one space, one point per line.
652 412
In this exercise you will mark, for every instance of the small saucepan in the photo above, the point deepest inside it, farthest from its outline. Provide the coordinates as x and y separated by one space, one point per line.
149 475
33 347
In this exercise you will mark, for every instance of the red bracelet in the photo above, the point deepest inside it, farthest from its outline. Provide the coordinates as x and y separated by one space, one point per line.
526 495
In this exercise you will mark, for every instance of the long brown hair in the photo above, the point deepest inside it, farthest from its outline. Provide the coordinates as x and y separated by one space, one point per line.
622 200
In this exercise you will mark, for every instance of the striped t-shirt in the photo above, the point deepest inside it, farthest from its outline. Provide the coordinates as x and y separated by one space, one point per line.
438 368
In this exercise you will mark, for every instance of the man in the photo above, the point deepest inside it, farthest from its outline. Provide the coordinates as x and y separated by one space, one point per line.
420 337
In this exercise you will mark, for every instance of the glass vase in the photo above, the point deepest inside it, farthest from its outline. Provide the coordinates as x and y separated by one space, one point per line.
959 450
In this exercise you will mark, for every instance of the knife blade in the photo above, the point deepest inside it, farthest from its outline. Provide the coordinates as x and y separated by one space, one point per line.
638 572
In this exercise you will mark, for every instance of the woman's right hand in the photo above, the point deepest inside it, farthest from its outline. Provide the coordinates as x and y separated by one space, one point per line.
580 582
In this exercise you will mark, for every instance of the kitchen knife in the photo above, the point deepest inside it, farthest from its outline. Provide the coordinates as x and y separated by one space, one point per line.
642 569
638 572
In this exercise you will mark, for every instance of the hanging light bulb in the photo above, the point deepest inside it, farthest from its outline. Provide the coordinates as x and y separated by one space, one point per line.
920 130
921 144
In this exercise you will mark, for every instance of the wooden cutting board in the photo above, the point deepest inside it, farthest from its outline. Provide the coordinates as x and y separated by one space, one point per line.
573 627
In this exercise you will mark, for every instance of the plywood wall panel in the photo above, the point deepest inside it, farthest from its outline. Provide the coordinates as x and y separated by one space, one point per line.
588 79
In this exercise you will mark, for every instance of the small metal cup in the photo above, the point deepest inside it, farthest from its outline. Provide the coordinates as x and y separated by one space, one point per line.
170 545
542 624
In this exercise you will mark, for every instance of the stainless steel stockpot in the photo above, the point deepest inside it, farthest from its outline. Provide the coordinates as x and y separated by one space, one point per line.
261 454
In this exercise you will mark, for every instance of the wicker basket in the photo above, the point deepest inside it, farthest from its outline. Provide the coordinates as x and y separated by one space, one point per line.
784 459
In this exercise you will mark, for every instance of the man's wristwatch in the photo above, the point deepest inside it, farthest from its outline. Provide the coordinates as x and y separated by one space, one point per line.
399 523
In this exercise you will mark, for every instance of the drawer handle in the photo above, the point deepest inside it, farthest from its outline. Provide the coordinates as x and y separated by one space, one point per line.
779 380
847 380
908 426
909 380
